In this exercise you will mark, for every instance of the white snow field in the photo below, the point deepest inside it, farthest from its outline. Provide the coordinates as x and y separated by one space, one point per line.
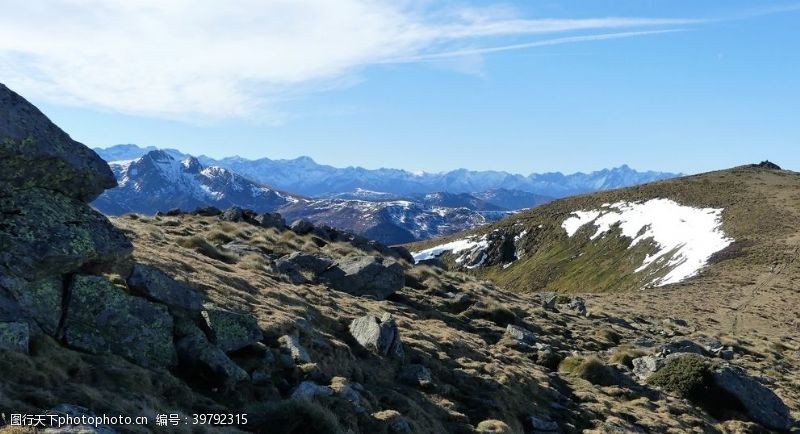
687 236
468 245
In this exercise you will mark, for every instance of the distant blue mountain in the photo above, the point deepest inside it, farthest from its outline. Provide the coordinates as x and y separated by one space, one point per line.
305 177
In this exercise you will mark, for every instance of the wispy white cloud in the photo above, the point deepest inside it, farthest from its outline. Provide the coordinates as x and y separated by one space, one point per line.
206 59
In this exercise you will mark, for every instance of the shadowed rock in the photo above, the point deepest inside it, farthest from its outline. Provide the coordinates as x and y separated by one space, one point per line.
205 360
153 283
366 276
101 318
14 336
34 152
761 404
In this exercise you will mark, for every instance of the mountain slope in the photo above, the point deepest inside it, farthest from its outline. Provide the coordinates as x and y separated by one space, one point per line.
732 254
158 182
304 176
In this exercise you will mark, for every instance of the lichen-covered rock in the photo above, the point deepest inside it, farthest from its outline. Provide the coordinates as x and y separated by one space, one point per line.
153 283
206 361
34 152
760 403
644 367
231 331
45 234
39 301
102 318
370 276
380 336
15 336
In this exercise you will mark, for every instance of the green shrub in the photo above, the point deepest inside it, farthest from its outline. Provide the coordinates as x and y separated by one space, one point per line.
294 416
590 369
685 376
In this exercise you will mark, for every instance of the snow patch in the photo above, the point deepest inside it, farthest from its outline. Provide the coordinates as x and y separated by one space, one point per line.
686 235
468 245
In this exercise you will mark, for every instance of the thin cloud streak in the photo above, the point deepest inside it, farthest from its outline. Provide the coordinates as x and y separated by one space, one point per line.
543 43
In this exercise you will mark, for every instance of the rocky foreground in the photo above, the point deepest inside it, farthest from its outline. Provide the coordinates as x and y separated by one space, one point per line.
309 329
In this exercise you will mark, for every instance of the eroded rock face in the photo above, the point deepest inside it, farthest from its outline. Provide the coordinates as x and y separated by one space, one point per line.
35 153
102 318
370 276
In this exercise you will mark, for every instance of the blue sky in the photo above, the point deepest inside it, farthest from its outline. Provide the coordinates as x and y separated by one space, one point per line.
521 86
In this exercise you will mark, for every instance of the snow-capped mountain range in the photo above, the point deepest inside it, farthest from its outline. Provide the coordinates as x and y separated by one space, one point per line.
152 180
305 177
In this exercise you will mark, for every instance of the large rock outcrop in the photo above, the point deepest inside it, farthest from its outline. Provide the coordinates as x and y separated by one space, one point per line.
34 152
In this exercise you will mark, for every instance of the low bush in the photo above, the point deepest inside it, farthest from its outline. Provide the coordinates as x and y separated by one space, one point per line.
685 376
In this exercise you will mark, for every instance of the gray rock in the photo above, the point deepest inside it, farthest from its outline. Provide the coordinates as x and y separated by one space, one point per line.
682 346
15 336
270 220
520 334
540 424
578 305
102 318
38 301
416 375
366 276
233 214
34 152
346 390
291 345
308 390
206 360
153 283
208 211
549 300
261 377
46 234
242 249
303 262
396 422
761 404
231 331
302 227
380 336
646 366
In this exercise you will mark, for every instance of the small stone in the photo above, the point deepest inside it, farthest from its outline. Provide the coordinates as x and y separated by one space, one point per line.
646 366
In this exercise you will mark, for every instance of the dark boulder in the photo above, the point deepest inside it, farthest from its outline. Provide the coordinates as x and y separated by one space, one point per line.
368 276
760 403
34 152
231 331
233 214
302 227
154 284
206 361
102 318
270 220
766 164
39 301
208 211
44 234
303 262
